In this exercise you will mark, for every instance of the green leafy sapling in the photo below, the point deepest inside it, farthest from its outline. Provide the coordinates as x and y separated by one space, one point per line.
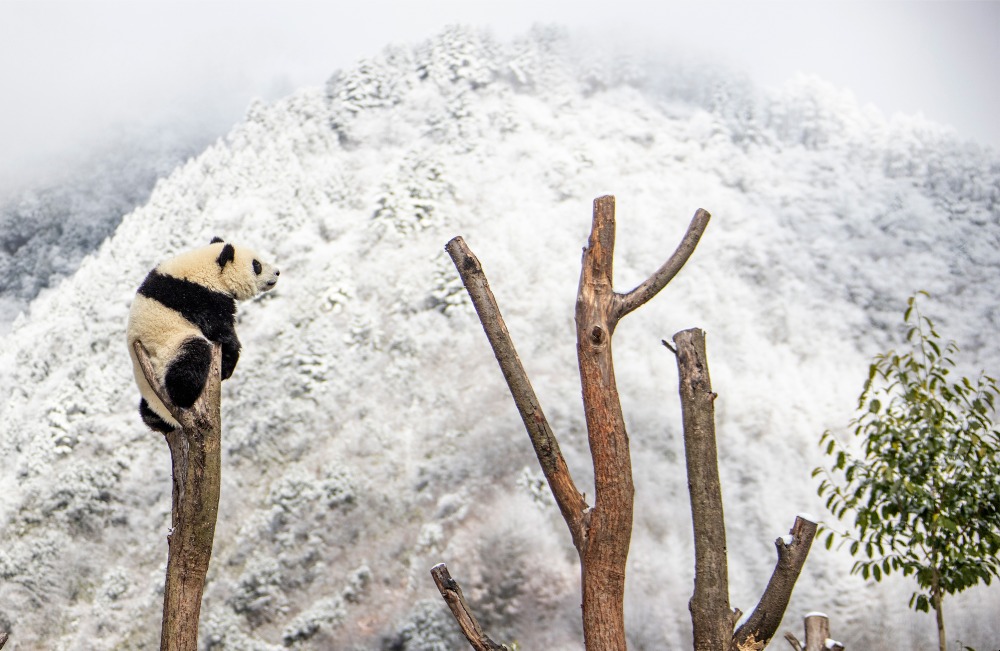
924 483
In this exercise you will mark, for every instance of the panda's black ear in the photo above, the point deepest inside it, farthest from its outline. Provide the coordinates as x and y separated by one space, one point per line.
216 239
228 255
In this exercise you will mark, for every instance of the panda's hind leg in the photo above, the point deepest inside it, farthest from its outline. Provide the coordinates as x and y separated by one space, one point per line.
152 419
186 375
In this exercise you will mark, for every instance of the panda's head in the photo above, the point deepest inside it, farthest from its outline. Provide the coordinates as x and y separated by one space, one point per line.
241 272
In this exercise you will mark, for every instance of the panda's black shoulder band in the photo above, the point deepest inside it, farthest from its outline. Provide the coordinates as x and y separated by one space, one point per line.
228 255
213 312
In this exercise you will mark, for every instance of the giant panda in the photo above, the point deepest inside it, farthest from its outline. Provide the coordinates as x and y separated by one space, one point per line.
182 306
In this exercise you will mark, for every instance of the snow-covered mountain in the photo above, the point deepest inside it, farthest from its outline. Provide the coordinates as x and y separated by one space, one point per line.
368 433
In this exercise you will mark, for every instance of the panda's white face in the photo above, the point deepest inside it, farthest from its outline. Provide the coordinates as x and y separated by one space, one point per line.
247 275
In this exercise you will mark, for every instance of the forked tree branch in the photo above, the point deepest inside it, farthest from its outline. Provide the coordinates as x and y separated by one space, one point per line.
195 454
652 285
550 458
763 622
452 593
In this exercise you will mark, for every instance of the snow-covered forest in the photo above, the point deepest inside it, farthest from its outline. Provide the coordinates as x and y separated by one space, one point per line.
368 433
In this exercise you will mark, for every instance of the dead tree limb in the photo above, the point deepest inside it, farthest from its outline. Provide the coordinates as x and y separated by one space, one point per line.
452 593
3 638
793 641
195 453
550 458
601 534
763 622
652 285
710 614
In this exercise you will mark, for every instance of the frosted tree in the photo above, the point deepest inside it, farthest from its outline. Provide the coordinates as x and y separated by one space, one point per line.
459 54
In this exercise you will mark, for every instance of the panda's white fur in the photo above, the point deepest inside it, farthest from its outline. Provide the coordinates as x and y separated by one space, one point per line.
184 304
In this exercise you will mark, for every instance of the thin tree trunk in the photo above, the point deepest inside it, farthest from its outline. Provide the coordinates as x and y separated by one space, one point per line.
195 452
936 598
710 614
606 550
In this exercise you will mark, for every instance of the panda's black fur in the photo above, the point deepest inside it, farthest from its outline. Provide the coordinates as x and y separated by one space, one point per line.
181 308
214 313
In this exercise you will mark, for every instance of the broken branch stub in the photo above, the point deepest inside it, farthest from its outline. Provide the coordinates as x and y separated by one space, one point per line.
765 619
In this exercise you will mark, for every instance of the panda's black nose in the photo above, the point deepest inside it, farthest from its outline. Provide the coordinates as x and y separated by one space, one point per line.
277 273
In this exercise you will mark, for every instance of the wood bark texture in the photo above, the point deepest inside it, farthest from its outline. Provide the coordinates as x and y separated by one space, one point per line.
710 613
195 452
606 548
453 596
762 624
817 632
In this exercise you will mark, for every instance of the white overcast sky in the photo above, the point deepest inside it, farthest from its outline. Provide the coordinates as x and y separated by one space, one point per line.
70 72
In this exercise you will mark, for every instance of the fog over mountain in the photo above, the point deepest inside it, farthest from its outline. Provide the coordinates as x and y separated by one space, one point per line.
368 433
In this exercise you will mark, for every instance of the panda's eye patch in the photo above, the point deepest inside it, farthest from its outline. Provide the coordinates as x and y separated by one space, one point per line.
257 268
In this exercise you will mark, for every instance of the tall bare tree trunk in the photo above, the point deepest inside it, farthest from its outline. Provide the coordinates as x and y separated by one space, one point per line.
711 618
605 550
195 453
